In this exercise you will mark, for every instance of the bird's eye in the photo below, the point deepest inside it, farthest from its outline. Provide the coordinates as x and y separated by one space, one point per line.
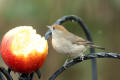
53 28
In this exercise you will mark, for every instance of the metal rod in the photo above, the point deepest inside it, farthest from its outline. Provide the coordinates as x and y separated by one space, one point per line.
88 35
78 60
1 76
6 74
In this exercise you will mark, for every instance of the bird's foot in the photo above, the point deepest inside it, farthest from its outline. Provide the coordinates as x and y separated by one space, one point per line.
65 63
82 58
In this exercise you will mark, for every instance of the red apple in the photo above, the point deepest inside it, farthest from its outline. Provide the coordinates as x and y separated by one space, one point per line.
23 50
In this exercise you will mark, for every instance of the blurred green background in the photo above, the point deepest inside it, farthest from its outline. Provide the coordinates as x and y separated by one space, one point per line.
102 17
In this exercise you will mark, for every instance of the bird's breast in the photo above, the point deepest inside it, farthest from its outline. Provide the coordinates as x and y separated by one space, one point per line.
64 46
61 45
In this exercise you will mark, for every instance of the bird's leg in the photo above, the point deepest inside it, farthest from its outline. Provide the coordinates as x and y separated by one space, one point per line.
66 61
81 56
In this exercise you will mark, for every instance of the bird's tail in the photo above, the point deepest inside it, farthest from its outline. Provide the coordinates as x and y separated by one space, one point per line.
94 46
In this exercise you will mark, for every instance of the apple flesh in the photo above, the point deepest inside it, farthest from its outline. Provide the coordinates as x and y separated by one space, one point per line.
23 50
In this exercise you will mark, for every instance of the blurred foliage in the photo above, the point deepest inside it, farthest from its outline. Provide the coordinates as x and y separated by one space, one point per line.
102 17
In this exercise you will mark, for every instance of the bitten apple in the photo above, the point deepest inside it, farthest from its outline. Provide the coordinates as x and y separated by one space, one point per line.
23 50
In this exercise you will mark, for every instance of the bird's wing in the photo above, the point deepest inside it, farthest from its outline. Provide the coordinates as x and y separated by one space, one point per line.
78 40
86 43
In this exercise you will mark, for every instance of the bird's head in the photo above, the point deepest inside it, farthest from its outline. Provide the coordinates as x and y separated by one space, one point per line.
57 29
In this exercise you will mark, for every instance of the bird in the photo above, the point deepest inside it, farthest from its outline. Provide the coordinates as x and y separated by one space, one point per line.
67 43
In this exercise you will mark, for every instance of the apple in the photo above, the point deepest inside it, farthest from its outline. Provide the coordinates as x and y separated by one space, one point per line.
23 50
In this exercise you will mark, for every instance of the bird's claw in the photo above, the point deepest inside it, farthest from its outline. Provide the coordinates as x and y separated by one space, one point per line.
65 63
82 58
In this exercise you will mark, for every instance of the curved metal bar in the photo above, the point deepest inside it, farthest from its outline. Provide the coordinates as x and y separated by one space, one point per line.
29 76
9 70
5 72
26 76
1 76
48 34
76 19
88 35
78 60
38 74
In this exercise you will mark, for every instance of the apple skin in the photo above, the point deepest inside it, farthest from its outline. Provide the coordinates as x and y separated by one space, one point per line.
19 63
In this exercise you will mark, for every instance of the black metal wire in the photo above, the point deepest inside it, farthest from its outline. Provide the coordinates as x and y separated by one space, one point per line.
48 34
30 76
23 76
38 73
9 70
1 76
88 35
78 60
6 74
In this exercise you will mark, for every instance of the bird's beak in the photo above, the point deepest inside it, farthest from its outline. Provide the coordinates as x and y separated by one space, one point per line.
48 34
49 27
